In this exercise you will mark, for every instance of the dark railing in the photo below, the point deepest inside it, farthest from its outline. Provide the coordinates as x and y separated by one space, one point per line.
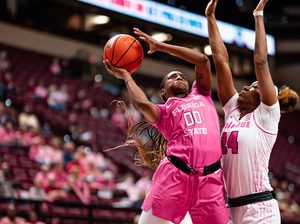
72 211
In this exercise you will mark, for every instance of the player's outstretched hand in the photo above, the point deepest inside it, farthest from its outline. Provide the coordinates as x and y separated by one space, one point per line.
117 72
211 7
145 37
261 6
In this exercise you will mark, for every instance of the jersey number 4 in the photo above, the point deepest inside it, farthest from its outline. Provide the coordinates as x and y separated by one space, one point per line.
230 143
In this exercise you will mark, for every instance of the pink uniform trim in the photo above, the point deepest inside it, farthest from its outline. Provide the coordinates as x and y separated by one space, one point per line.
236 119
269 133
233 110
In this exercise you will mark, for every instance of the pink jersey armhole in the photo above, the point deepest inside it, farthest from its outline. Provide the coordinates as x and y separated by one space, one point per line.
159 116
233 110
203 92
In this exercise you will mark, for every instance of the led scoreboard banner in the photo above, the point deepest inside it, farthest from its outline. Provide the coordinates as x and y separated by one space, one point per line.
182 20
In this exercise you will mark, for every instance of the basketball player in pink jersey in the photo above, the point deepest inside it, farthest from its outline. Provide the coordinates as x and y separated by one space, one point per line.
189 177
251 126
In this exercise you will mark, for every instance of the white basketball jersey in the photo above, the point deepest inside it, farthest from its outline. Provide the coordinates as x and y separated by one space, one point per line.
247 145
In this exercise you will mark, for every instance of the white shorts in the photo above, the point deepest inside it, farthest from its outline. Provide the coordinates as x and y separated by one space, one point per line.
265 212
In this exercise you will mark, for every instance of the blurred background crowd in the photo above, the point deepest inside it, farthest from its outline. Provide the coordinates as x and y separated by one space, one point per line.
45 162
59 116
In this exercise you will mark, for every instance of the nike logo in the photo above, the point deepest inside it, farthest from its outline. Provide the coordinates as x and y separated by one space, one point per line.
168 106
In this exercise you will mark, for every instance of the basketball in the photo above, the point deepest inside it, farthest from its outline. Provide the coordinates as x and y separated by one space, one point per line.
124 51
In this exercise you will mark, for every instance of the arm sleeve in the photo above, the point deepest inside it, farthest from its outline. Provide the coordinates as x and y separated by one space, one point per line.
157 124
162 120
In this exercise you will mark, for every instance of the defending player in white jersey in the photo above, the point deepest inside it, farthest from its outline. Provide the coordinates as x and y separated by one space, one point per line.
251 126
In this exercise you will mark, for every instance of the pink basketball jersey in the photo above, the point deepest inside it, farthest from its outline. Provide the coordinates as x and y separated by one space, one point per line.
191 127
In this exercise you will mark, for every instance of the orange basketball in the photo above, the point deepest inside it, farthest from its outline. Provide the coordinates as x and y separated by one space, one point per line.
124 51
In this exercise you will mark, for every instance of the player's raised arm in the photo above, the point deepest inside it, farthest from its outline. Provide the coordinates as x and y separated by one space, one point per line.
201 62
137 97
220 55
265 83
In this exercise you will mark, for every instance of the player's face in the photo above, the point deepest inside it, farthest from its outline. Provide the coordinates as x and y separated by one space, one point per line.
176 85
250 95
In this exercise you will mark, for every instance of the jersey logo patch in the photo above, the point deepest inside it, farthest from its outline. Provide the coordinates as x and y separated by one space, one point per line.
168 106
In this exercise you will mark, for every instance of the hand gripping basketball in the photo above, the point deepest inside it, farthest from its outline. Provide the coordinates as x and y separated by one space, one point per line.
124 51
117 72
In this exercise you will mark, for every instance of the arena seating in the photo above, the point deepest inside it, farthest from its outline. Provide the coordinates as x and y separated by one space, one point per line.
35 65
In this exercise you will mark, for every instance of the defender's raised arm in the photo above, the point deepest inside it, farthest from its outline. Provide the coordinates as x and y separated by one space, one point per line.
265 82
220 55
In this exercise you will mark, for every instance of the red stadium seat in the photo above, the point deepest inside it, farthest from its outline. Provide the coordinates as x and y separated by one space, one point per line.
24 209
77 212
95 199
57 210
69 221
120 215
22 177
26 186
73 198
3 206
33 172
17 170
103 213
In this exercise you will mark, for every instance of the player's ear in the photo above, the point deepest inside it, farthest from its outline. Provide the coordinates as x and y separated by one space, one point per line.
163 92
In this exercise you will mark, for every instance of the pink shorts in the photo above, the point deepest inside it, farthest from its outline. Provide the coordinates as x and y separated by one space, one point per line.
174 192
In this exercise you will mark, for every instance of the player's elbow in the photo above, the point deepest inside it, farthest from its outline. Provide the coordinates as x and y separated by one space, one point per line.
219 58
203 59
260 62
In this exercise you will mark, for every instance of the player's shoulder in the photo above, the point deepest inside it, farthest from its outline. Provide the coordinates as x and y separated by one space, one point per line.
197 90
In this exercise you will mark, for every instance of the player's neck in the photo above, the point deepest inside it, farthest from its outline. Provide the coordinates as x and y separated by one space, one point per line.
179 95
244 112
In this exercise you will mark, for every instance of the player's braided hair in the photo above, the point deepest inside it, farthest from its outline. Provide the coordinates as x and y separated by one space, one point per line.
287 99
150 153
